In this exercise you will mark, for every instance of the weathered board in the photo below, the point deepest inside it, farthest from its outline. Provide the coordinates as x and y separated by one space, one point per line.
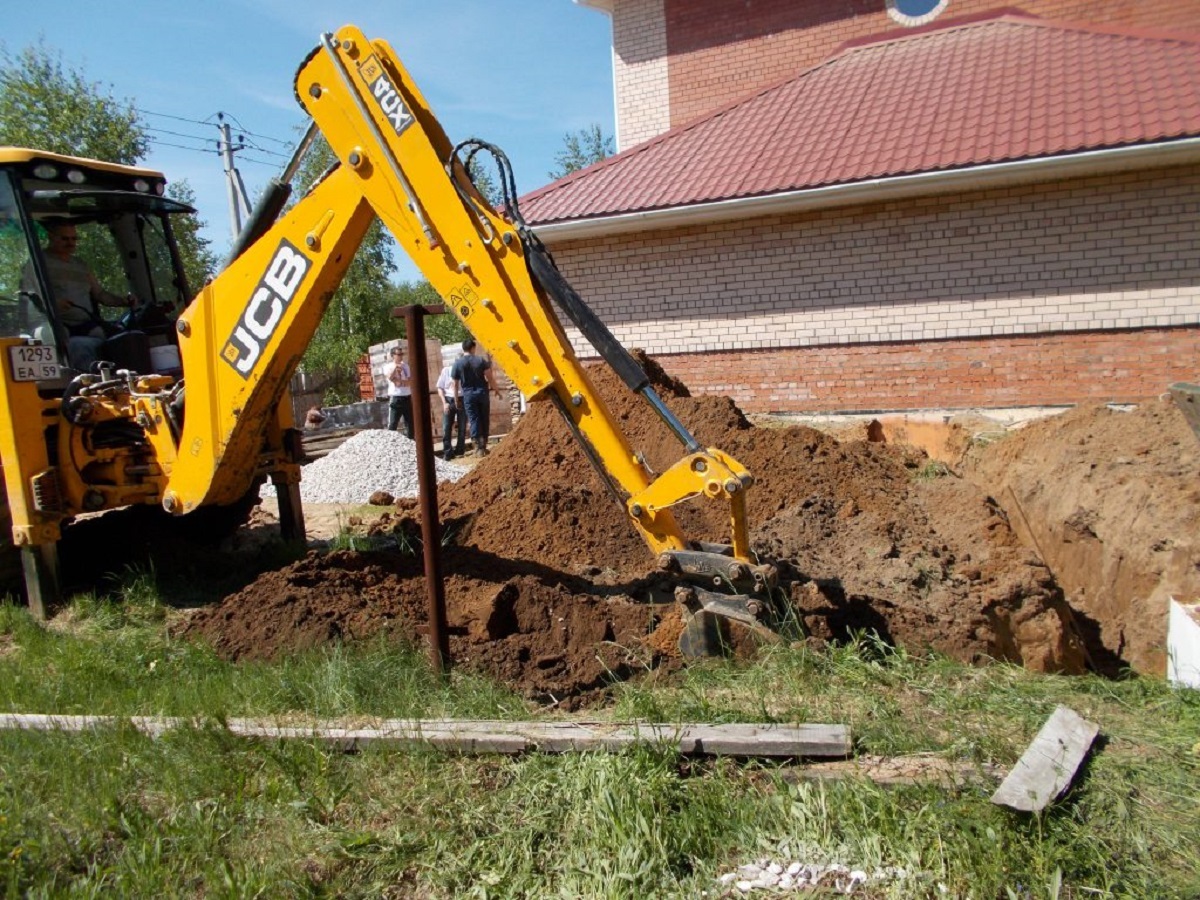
1049 764
486 736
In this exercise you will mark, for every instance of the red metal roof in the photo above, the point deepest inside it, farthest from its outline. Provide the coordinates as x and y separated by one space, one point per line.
973 91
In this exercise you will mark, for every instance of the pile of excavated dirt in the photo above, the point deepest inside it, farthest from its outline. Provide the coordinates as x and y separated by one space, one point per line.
546 580
1110 499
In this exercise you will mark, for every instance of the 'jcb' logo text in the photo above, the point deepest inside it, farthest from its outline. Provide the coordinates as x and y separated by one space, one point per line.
261 316
386 95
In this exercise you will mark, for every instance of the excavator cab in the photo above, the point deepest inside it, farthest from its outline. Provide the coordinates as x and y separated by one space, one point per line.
50 408
121 220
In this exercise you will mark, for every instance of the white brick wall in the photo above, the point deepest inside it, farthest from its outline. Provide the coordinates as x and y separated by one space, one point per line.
1107 252
640 71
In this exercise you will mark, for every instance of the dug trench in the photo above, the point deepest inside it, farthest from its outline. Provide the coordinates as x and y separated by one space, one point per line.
545 580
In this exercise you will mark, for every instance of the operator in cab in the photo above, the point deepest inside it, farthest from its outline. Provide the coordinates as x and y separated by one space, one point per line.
77 294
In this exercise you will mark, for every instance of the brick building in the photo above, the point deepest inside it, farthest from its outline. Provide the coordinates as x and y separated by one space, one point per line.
896 204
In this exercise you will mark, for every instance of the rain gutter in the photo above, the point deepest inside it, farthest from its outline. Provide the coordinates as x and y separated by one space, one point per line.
877 190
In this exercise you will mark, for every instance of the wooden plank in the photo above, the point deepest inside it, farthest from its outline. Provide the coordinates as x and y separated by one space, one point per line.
317 444
487 736
1049 764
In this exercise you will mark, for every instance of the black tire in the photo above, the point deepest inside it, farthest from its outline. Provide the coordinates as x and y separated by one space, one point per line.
212 524
94 548
11 579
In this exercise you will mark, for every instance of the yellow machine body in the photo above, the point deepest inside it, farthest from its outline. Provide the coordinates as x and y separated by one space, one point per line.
206 435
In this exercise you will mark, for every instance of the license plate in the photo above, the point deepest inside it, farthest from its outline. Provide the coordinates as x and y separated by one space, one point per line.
33 363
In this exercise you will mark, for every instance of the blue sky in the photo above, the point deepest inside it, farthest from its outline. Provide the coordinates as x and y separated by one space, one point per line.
520 74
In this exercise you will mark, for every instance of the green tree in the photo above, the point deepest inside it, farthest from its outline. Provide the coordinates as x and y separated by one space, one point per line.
581 149
49 106
484 181
359 315
445 328
199 261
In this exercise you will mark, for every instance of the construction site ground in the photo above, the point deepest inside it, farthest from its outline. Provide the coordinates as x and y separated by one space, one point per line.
1051 541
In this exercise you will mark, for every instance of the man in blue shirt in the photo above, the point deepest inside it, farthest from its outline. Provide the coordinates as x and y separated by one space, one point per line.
472 377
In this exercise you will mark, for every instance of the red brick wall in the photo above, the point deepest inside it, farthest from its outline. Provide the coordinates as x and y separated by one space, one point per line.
719 51
366 381
995 372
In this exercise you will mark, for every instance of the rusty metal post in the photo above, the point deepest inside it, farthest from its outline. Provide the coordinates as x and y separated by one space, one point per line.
431 528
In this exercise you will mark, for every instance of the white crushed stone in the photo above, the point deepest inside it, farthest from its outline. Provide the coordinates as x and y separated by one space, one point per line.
370 461
792 876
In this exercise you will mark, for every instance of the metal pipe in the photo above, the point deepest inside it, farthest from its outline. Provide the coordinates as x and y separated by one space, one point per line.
431 529
673 423
301 151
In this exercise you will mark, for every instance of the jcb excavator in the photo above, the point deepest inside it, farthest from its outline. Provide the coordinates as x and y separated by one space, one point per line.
188 408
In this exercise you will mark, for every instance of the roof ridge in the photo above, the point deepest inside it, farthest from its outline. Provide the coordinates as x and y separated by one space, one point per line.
895 34
1156 34
1012 15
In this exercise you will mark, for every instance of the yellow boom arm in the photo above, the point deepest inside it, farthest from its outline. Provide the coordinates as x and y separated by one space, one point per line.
252 323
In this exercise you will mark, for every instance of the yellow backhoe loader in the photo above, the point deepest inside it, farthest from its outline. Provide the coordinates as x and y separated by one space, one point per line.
187 407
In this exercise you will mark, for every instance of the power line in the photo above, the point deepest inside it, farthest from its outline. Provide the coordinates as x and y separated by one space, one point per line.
266 137
195 137
260 162
208 122
257 149
156 142
148 112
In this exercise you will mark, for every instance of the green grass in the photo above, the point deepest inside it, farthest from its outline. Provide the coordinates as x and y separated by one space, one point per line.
200 813
932 470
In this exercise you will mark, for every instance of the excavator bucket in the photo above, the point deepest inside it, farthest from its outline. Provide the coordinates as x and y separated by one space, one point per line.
723 624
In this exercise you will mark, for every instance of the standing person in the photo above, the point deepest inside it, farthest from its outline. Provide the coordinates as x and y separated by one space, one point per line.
399 381
452 411
472 378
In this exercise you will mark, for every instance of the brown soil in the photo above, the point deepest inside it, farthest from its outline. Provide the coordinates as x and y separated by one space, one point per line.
547 584
1111 500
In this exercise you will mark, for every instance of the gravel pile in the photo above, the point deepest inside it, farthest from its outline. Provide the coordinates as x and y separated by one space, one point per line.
370 461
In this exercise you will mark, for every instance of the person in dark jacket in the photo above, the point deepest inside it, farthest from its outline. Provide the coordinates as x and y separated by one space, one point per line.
472 377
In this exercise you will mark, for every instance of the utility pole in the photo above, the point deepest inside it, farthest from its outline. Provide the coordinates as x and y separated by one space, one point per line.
239 203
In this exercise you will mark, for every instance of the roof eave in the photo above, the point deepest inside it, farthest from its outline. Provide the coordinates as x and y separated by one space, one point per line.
1026 171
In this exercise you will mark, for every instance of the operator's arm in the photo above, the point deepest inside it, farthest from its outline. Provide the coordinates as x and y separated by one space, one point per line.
107 298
